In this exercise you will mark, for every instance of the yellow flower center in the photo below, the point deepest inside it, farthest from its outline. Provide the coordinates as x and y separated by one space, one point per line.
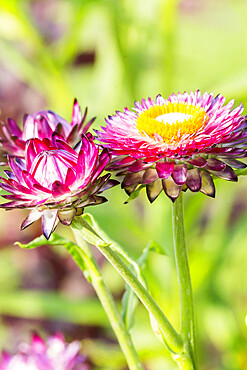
172 121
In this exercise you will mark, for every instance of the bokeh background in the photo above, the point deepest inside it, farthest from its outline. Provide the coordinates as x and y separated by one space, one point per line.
108 53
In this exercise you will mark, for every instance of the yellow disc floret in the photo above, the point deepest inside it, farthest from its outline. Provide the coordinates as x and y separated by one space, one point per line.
171 121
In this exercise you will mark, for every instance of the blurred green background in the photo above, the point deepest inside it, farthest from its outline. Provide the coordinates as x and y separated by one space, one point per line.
108 53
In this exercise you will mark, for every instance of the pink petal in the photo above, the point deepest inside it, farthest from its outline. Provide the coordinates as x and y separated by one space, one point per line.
59 189
164 169
76 115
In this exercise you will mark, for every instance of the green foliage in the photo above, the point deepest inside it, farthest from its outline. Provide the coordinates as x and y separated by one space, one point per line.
134 194
129 299
140 51
55 239
52 306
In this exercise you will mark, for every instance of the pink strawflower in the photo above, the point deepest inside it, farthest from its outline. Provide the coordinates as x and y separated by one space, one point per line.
54 354
55 181
42 125
176 143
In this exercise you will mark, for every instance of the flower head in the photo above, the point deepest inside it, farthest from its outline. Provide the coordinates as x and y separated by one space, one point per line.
177 143
42 125
55 181
54 354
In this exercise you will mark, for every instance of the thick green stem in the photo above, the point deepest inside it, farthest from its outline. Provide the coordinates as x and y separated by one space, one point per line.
115 246
184 281
107 302
171 337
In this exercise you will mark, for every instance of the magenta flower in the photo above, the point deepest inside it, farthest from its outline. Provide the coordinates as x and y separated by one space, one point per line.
54 354
177 143
42 125
55 181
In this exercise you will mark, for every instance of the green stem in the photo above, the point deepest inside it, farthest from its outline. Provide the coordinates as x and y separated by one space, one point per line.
107 301
171 337
120 250
184 281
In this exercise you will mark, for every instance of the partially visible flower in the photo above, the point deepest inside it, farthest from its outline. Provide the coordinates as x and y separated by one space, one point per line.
42 125
54 354
55 181
177 143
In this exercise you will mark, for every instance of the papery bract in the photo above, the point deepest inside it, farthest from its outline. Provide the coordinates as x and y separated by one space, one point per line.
41 125
177 143
56 181
54 354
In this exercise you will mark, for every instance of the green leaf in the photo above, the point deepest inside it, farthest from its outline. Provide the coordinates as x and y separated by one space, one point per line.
152 246
130 300
156 247
242 172
32 304
76 254
134 194
56 239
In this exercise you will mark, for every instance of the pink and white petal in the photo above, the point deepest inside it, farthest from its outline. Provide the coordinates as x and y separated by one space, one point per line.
13 127
59 189
214 164
70 177
227 174
76 114
49 221
33 216
88 125
194 180
179 174
43 128
108 185
164 169
234 163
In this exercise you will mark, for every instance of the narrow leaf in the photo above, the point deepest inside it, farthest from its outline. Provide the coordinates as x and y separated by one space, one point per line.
134 194
130 300
56 239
